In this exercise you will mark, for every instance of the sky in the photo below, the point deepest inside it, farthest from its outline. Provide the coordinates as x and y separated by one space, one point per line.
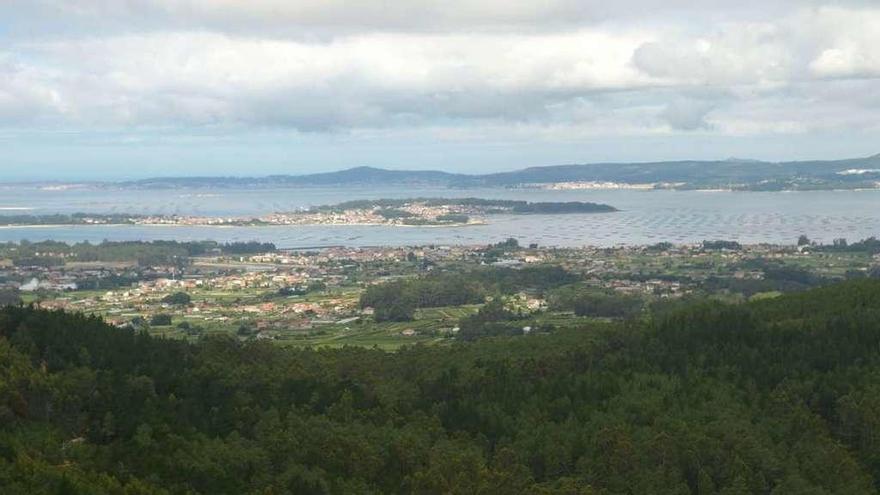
116 89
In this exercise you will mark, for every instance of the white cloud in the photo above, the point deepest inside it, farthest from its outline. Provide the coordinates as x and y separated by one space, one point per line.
203 78
26 93
846 43
630 67
738 54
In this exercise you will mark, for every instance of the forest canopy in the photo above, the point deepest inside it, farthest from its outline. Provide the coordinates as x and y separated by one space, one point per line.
773 396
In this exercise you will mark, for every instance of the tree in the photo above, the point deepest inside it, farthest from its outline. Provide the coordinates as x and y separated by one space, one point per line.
177 299
510 243
160 320
402 308
10 297
316 286
609 306
773 396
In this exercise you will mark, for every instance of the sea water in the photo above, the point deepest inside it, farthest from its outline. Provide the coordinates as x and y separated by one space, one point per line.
645 217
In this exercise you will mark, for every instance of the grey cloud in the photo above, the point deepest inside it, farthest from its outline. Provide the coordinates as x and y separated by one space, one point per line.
326 17
744 58
687 115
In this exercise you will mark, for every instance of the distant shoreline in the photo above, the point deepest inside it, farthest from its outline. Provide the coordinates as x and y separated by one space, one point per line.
682 174
412 212
633 187
217 226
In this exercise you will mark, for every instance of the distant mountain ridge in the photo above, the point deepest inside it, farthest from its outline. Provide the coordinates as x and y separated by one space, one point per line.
351 176
732 173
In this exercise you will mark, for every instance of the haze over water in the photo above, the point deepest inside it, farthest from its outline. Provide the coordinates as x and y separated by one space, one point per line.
645 217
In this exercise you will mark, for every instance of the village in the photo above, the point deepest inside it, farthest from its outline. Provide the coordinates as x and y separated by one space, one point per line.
311 297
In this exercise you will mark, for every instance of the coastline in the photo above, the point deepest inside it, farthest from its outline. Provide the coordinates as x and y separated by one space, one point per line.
231 226
697 189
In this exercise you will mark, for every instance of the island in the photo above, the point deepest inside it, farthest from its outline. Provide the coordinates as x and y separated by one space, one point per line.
448 212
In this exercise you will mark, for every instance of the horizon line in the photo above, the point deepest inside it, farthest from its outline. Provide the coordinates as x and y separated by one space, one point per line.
73 181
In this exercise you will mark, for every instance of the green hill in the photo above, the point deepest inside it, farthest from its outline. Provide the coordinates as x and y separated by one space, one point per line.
733 173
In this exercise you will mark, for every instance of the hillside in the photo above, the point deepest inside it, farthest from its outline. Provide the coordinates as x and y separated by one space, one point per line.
697 173
731 173
357 175
778 396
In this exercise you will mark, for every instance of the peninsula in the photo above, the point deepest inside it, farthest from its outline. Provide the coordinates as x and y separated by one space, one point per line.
392 212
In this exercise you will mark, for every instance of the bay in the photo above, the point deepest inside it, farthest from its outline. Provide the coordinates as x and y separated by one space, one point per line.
646 216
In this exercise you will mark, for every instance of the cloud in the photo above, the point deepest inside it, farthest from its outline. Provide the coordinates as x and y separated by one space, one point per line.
556 68
741 54
293 18
26 93
846 43
808 44
687 114
367 80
